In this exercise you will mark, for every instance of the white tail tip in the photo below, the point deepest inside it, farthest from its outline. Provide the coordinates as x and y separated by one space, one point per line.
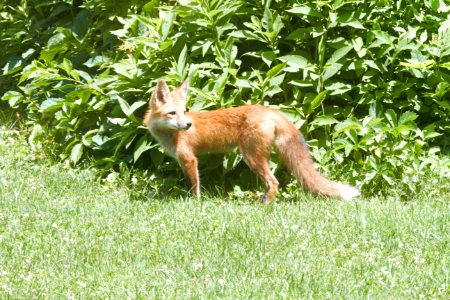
349 192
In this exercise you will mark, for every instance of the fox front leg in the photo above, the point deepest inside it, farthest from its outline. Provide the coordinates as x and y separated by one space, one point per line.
188 163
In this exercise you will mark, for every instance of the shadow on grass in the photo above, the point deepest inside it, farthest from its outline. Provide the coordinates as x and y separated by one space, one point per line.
175 189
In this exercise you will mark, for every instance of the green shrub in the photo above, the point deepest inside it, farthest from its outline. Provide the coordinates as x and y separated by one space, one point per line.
368 91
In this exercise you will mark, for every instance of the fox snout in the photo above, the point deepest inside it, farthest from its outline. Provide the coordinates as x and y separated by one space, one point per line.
181 122
185 125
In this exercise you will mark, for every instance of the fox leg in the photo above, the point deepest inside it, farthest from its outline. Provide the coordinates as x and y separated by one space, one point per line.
188 163
259 163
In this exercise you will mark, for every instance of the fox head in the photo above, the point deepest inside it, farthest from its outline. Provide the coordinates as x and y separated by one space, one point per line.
167 110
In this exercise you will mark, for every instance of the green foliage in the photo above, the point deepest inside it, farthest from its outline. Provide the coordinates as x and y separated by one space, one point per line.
365 89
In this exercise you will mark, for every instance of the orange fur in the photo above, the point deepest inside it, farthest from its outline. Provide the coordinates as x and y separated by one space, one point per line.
255 129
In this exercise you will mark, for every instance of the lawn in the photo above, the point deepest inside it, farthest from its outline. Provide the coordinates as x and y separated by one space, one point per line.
64 234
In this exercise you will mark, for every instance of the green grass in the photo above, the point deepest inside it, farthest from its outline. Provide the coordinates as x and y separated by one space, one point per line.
65 235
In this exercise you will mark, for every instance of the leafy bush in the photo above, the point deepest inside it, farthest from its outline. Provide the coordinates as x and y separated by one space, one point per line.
366 89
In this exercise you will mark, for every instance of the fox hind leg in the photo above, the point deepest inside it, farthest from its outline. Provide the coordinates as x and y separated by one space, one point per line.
258 161
261 167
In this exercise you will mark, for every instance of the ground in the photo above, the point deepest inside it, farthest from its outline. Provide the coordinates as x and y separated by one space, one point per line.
64 233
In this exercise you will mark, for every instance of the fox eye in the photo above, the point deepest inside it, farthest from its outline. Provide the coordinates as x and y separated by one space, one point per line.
172 113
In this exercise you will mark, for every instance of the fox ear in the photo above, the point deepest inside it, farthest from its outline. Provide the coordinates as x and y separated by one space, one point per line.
183 89
160 94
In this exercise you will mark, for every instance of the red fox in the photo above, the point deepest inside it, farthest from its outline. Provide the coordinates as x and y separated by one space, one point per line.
255 129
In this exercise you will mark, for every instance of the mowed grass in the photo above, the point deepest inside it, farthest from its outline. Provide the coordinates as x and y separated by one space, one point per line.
65 235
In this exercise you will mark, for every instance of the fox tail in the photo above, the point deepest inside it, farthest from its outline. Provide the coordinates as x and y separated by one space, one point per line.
295 155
